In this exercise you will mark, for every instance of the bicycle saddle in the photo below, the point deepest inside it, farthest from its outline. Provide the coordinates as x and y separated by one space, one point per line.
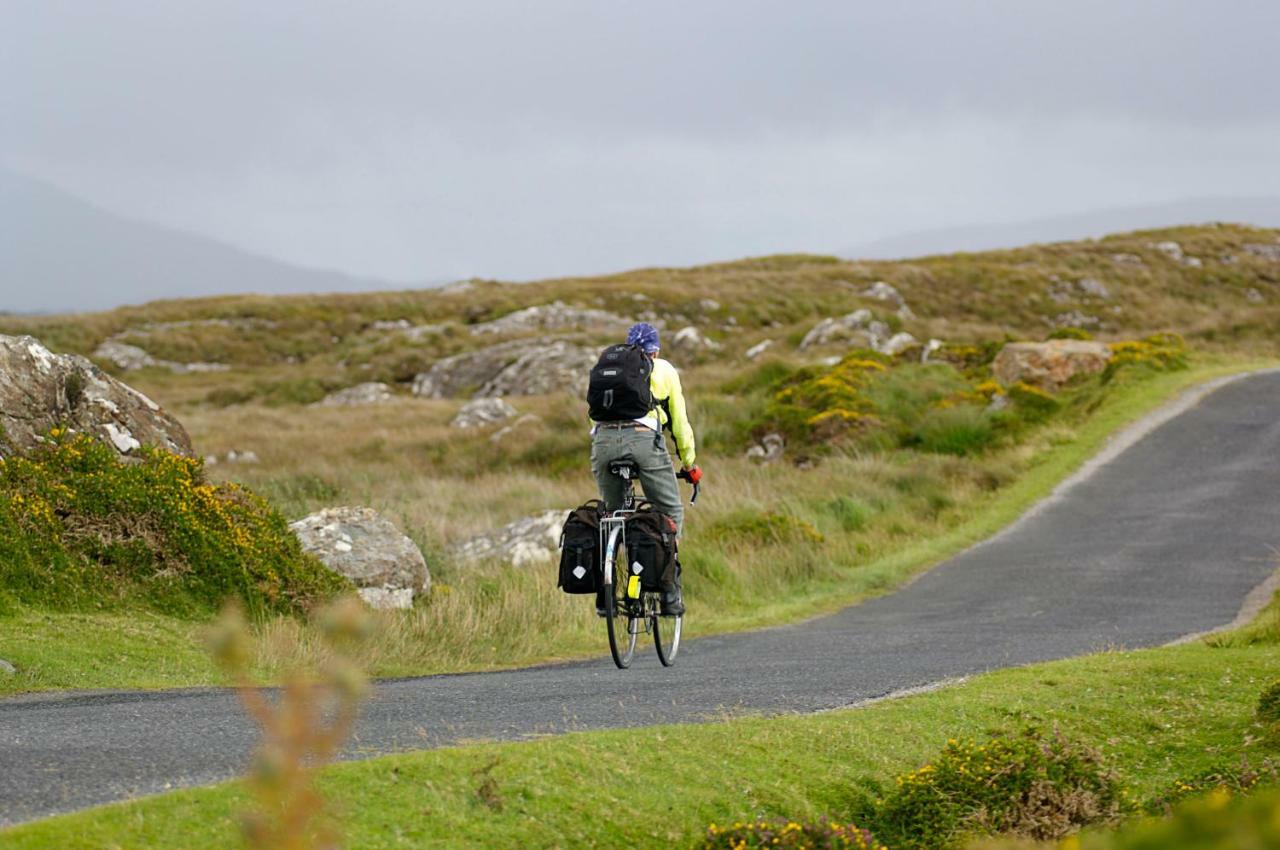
624 468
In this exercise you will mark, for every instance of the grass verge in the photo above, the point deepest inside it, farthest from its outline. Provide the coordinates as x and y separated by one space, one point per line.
1158 716
480 619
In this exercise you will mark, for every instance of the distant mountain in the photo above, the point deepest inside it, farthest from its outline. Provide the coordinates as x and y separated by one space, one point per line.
60 253
1262 212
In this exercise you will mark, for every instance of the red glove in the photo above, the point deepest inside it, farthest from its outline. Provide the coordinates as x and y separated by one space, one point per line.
694 474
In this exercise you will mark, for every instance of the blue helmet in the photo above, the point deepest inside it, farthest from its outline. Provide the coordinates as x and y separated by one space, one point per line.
644 335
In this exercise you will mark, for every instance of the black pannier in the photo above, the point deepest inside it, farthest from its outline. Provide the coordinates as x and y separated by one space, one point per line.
580 550
619 386
651 547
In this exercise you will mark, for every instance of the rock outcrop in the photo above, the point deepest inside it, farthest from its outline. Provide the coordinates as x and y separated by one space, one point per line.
858 328
40 390
1086 288
512 368
1265 251
689 340
1049 364
526 542
882 291
556 316
759 348
768 449
483 411
130 357
386 567
370 392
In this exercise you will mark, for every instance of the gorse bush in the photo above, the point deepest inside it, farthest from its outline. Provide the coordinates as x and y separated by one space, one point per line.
828 403
1163 352
1033 785
1215 821
79 529
823 835
1240 778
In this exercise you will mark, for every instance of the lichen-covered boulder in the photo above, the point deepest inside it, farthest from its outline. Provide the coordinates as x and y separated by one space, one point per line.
517 368
370 392
386 567
483 411
526 542
1049 364
40 390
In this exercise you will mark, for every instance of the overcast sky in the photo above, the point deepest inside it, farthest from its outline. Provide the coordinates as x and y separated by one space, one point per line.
437 140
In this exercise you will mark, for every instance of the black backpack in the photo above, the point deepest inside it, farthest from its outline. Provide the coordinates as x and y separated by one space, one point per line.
580 550
619 387
651 547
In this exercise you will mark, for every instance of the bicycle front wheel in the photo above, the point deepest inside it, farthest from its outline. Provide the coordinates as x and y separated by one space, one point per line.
622 638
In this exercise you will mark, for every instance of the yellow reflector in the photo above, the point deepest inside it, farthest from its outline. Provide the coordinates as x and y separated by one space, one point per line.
633 587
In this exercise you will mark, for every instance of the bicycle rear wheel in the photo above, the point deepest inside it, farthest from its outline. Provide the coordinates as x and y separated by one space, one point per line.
666 637
622 638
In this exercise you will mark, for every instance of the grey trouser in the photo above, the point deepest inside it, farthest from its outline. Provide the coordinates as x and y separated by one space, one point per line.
657 476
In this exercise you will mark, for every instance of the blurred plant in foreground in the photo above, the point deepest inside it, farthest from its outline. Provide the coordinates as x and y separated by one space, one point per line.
303 723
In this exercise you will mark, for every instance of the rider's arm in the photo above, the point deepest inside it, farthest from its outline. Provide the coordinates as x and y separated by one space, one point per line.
666 385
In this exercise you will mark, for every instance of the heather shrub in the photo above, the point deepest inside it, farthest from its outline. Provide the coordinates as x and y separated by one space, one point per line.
1032 785
823 835
79 529
1032 403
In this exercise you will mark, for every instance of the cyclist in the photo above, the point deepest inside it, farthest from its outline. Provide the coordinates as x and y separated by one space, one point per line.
641 439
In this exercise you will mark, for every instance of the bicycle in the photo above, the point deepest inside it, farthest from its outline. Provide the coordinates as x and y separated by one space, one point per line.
629 608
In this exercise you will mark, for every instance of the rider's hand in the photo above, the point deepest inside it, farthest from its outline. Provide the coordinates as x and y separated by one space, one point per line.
694 474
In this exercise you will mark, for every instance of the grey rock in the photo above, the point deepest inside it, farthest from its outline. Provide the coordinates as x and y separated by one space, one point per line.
930 347
483 411
897 344
1266 252
1172 250
709 304
130 357
1253 296
6 668
1076 319
759 348
998 402
1193 262
554 316
1127 260
386 567
370 392
527 542
391 325
689 340
40 390
768 450
1093 288
515 368
851 328
882 291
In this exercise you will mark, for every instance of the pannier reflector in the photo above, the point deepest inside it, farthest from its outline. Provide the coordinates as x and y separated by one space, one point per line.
579 572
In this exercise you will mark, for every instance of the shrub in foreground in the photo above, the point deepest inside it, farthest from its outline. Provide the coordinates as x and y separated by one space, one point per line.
1033 785
1216 821
1233 779
79 529
823 835
1269 704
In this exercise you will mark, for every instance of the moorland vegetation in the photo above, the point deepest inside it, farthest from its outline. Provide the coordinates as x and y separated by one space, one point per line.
890 460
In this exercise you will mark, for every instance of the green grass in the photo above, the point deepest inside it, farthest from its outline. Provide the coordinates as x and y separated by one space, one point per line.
890 518
1157 715
87 651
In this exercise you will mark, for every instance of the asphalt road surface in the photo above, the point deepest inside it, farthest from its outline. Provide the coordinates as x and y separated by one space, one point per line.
1165 539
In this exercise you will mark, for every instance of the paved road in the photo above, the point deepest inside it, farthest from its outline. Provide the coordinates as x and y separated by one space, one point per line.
1166 539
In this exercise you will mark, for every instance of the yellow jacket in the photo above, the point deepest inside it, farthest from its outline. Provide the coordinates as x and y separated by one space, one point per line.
664 383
